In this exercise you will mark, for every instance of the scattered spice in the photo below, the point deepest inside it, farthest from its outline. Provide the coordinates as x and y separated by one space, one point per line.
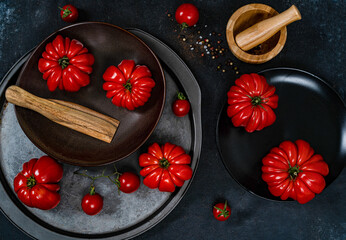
206 44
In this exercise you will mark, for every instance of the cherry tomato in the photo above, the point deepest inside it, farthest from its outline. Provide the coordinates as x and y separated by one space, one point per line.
187 15
128 182
181 106
69 13
221 211
92 202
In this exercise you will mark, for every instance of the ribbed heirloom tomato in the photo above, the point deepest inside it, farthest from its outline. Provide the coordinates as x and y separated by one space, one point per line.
292 170
66 64
251 101
165 167
37 184
128 85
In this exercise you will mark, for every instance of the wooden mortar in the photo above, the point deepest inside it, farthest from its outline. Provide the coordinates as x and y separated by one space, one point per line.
255 25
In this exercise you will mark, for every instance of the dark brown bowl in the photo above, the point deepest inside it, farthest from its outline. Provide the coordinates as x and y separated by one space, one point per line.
110 45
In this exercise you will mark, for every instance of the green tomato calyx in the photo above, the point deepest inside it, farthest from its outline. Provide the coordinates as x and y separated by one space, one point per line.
223 212
31 182
64 62
164 163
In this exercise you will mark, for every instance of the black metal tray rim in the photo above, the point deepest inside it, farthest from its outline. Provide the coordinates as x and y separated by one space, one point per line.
14 214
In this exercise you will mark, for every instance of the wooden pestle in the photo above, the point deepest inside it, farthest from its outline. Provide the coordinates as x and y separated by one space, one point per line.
262 31
71 115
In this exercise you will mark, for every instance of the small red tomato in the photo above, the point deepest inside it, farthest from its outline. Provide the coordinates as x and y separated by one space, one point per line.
221 211
187 15
92 202
181 106
128 182
69 13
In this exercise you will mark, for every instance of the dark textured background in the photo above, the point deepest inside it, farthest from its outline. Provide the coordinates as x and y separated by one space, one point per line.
315 44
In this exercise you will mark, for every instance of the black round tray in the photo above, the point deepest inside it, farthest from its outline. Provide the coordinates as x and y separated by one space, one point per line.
309 109
123 216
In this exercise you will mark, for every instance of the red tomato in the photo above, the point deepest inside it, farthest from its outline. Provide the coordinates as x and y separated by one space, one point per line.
128 85
129 182
37 184
92 202
66 64
251 101
221 211
165 167
69 13
187 15
181 106
292 170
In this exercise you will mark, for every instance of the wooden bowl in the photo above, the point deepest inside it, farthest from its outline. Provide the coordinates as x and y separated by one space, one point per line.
244 18
110 45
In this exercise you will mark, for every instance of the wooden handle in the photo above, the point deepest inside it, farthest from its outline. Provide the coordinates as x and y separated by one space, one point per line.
68 114
262 31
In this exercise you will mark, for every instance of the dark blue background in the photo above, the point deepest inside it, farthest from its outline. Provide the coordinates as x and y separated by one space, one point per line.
315 44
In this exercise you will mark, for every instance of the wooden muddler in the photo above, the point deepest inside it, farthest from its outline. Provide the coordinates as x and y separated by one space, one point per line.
71 115
262 31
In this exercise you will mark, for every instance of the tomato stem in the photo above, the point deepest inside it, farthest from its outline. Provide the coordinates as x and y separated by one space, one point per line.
256 100
66 11
181 96
114 177
184 25
92 190
294 171
128 85
31 182
164 163
224 211
64 62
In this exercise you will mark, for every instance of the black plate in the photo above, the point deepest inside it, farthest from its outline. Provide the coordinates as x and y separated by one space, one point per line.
309 109
124 215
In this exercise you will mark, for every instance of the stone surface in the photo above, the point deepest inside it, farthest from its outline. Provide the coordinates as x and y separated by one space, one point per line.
315 44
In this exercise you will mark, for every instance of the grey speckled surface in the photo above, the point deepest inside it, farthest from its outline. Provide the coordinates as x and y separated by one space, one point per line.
315 44
120 211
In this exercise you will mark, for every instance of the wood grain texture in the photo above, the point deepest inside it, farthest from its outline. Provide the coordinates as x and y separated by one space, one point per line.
262 31
68 114
244 18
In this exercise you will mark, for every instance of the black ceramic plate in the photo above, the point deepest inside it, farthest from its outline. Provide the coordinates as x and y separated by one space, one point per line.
309 109
110 45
